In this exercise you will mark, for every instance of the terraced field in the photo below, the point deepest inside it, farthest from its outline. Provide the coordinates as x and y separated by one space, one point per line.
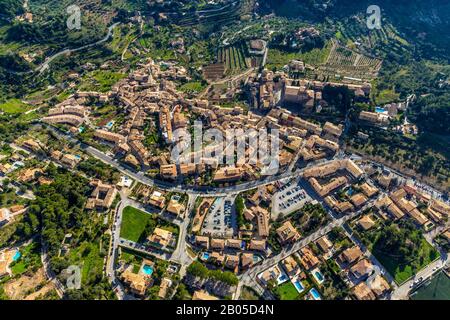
234 58
214 71
385 41
212 15
349 63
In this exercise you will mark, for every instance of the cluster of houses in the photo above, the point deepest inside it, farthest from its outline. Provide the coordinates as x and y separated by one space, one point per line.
149 95
141 96
407 201
304 269
271 89
361 275
70 111
383 115
159 199
66 159
313 141
251 235
233 254
251 243
326 178
374 118
138 283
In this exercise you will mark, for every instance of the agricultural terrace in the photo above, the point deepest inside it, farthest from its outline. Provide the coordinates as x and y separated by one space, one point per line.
348 63
234 58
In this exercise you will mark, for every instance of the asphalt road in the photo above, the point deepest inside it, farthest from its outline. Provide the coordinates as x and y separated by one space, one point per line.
247 278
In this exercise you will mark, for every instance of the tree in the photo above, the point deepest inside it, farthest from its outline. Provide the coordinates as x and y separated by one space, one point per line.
240 207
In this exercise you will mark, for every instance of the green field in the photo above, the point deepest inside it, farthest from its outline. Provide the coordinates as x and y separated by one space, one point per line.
402 272
385 96
233 57
106 79
437 289
195 86
100 80
87 256
133 223
287 291
14 106
277 58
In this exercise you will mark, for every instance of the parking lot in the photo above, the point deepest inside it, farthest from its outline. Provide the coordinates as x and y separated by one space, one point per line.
221 218
288 199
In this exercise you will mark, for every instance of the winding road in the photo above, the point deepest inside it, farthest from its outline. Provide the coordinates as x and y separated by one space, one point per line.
46 64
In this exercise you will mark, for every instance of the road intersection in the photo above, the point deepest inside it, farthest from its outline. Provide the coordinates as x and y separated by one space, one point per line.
181 256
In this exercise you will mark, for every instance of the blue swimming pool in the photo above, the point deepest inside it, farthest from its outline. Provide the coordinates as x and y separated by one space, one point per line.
350 191
256 258
17 255
282 278
319 276
205 256
298 285
315 294
147 270
379 110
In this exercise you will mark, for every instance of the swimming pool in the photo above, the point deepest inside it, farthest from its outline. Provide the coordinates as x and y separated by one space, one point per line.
318 275
315 294
256 258
282 278
350 191
205 256
298 285
147 270
17 255
379 110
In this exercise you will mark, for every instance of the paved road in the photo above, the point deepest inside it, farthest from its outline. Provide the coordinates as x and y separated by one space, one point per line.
402 292
192 190
180 254
113 251
199 13
49 273
125 243
372 258
249 276
46 64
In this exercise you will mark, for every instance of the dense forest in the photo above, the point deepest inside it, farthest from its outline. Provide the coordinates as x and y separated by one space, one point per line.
9 9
